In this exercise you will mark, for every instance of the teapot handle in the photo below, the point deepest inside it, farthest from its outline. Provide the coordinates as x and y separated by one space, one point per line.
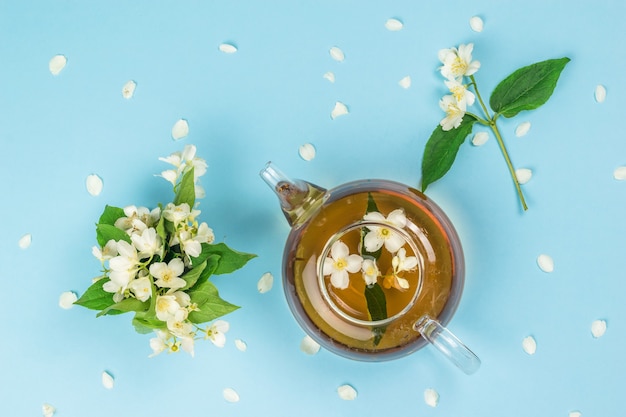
448 344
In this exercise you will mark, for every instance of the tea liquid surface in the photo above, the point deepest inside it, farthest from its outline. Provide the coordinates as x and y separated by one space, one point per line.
418 282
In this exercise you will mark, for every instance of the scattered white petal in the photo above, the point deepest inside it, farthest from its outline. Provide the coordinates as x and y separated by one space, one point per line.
241 345
107 380
67 299
307 151
476 23
394 25
56 64
598 328
575 414
330 76
522 129
346 392
337 54
523 175
128 90
230 395
405 82
620 173
340 109
600 93
94 185
47 410
431 397
480 138
545 262
25 241
529 344
309 346
228 48
265 282
180 129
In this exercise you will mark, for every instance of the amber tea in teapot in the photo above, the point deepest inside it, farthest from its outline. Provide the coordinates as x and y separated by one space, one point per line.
372 269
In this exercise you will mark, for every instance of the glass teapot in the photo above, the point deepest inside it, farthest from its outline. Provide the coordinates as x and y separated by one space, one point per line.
372 269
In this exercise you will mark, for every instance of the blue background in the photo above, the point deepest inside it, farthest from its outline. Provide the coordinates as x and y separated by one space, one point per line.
261 104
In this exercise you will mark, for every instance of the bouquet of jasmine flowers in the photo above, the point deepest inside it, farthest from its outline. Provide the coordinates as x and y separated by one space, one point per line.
156 264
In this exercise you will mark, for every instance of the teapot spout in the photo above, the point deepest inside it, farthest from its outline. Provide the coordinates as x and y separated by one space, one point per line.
298 199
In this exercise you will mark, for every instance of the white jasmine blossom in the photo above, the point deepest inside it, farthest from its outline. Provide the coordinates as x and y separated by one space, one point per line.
166 307
148 243
402 263
457 62
340 263
142 288
370 271
168 274
454 112
382 235
177 213
459 91
216 333
107 252
160 343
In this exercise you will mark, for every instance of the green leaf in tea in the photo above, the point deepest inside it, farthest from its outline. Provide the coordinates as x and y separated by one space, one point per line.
377 308
441 150
527 88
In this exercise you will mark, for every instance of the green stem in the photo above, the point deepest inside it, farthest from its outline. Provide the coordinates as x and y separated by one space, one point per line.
496 132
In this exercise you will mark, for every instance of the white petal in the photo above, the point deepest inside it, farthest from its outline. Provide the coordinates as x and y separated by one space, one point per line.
309 346
337 54
230 395
394 25
529 345
545 262
340 109
600 93
47 410
94 184
620 173
598 328
522 129
405 82
330 76
265 282
575 414
67 299
180 129
431 397
241 345
228 48
476 23
347 392
480 138
107 380
25 241
56 64
128 90
307 151
523 175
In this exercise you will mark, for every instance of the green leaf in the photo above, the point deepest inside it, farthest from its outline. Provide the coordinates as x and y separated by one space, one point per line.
160 229
376 302
210 304
192 276
186 192
125 306
441 150
230 260
145 323
371 207
377 307
527 88
106 232
95 298
211 264
110 215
